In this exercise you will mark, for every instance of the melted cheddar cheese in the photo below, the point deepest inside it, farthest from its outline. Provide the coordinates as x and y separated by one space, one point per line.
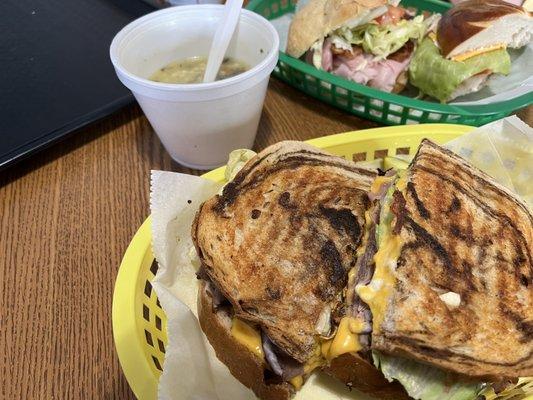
346 340
247 336
315 361
472 53
297 382
376 294
378 182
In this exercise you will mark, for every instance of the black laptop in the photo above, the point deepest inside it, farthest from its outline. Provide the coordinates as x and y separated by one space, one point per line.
56 73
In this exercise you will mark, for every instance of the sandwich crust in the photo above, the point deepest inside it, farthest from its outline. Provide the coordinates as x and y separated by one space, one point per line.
318 18
280 239
462 233
358 373
469 18
244 365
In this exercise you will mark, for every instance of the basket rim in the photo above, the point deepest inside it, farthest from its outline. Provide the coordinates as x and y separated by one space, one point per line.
128 345
506 106
124 320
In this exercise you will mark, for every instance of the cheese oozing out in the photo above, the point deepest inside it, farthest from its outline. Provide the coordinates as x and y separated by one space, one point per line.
346 340
377 293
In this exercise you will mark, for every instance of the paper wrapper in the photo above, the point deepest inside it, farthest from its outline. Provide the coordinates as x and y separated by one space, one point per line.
191 369
504 150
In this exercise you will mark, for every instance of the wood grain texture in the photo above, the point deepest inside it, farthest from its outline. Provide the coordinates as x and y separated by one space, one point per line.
67 216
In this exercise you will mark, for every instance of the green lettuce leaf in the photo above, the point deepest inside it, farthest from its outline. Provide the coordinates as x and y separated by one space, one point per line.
382 40
438 77
424 382
237 159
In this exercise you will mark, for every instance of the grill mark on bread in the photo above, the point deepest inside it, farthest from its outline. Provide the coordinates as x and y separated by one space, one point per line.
525 327
505 220
292 160
455 205
332 259
274 294
284 200
426 238
456 273
457 232
422 210
343 221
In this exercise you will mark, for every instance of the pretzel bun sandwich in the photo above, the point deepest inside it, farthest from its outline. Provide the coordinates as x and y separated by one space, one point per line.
469 47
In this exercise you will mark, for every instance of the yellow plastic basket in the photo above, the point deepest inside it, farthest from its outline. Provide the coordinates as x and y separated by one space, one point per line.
139 323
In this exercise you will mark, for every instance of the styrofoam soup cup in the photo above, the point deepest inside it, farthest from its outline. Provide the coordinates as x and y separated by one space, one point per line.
199 124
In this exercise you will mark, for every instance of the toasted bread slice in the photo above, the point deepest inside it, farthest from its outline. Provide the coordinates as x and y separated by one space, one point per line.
280 239
244 365
466 236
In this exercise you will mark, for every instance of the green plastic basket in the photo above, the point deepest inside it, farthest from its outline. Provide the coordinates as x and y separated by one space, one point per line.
370 103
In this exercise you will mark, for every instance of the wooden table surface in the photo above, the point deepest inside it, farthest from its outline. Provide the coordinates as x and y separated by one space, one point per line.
67 215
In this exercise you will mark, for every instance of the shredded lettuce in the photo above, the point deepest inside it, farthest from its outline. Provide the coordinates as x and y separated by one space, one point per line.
424 382
340 43
237 159
383 40
438 77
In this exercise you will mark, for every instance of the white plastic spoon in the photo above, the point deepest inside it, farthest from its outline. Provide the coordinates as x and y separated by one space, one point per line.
226 27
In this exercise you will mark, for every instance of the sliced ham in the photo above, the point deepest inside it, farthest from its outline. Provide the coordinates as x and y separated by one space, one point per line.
387 72
365 68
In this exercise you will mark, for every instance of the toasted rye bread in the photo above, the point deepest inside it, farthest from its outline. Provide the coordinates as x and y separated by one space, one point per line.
244 365
318 18
462 233
279 241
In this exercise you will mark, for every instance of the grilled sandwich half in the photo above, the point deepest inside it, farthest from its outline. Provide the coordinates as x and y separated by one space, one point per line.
276 247
451 293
